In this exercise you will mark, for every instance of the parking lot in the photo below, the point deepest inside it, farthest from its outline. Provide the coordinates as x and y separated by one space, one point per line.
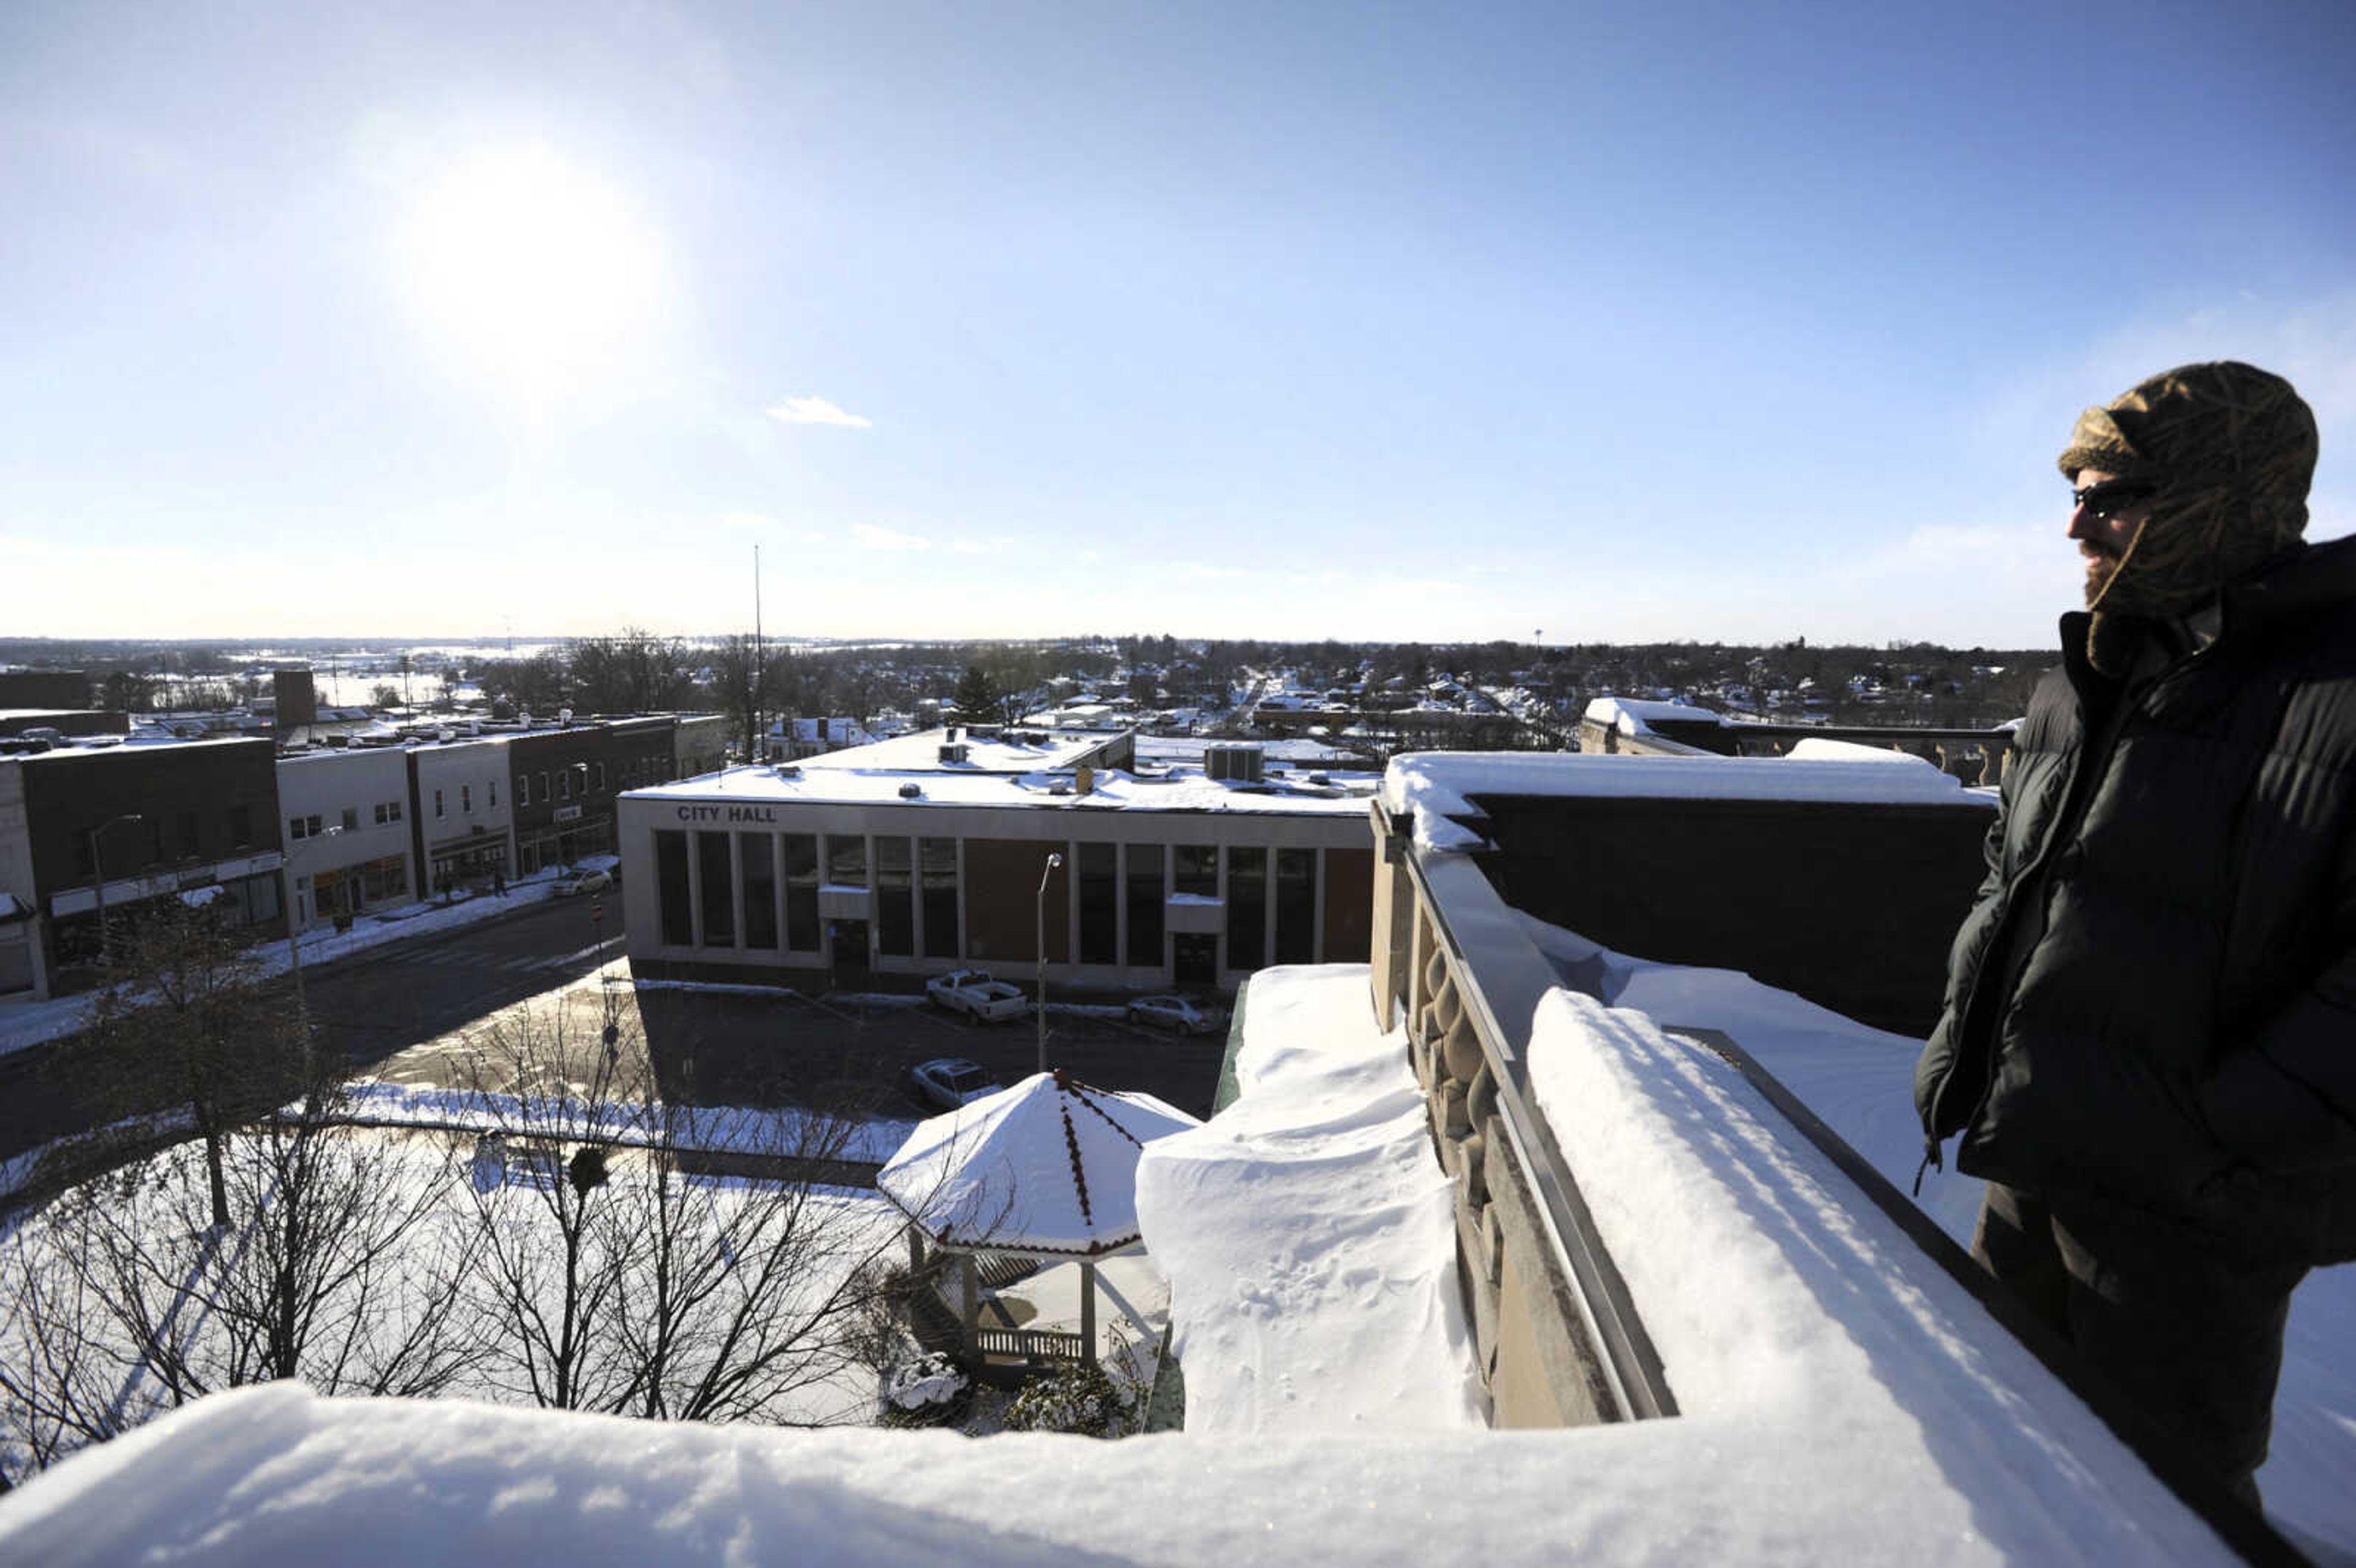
758 1047
720 1047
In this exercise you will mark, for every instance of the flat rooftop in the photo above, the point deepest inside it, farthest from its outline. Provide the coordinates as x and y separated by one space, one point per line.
921 753
1172 789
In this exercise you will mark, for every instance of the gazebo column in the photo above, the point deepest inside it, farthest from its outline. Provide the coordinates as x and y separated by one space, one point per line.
972 1273
1088 1312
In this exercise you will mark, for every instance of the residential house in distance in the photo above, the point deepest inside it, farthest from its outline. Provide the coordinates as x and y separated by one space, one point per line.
791 739
699 745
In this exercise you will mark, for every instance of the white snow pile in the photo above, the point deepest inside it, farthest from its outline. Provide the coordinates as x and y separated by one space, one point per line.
1441 785
1307 1230
1830 1377
1859 1082
1820 748
1635 716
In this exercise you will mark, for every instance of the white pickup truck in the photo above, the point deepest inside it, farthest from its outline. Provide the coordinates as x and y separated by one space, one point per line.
974 991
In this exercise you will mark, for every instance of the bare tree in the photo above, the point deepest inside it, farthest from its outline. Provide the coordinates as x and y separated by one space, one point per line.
344 1270
751 1288
620 1270
61 1372
184 1019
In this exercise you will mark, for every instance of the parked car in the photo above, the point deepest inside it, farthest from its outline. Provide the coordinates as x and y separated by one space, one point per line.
583 879
949 1082
1174 1013
976 992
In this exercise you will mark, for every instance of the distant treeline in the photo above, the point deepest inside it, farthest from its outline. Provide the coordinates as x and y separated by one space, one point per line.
636 670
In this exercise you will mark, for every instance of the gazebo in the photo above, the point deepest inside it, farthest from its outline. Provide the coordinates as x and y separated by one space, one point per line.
1046 1170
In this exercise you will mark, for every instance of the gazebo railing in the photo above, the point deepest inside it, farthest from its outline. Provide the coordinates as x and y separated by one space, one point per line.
1029 1345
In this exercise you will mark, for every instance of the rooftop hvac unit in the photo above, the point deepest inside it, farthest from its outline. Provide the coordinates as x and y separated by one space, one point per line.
1235 762
953 752
789 771
911 791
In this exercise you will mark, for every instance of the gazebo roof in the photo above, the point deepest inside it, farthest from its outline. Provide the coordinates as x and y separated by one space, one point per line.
1048 1166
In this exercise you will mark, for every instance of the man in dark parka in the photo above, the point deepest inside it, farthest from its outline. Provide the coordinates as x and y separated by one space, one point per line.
2148 1043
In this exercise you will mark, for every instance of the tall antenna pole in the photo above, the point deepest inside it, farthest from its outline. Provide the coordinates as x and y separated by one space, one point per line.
754 743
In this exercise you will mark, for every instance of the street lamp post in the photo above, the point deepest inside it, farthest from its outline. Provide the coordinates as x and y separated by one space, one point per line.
98 881
1045 872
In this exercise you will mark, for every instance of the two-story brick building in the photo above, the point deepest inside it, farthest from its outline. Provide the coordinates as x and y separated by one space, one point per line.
83 828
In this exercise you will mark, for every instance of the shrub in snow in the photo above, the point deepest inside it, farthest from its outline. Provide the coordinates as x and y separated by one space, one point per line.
1076 1398
925 1388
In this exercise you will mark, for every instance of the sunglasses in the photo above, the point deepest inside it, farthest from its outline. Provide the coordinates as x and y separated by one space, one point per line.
2111 496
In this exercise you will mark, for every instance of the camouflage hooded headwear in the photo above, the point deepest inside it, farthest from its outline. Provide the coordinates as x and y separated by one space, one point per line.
2232 449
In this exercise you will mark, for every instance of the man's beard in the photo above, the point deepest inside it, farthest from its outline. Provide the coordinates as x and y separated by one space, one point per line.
2102 565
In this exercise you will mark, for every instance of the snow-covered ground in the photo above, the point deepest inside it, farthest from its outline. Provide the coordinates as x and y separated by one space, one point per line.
459 1200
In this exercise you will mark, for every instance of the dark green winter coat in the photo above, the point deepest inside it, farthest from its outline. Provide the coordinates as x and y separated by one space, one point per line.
2153 1003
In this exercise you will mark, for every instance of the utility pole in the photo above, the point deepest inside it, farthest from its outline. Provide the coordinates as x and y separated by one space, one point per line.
98 882
753 742
1045 872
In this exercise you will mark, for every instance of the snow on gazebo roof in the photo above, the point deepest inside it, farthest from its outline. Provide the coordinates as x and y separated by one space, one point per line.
1047 1167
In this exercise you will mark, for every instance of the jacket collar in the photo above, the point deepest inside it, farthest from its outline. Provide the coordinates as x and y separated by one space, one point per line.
2305 581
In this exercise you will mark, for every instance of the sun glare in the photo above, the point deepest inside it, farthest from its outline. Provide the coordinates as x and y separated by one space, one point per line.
532 276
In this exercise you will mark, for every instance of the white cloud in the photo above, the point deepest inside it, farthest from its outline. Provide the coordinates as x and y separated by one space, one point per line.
867 535
981 546
817 411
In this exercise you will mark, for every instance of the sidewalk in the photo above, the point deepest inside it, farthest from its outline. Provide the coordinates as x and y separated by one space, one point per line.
24 1023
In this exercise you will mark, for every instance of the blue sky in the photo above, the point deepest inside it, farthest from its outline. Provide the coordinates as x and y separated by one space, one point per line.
1438 322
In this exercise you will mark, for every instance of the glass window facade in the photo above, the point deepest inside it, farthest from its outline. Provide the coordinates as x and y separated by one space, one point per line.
937 866
672 888
1246 908
800 853
895 901
1145 899
718 894
758 854
1100 887
846 861
1198 870
1296 906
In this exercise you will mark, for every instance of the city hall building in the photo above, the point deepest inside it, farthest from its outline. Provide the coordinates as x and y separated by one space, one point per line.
931 851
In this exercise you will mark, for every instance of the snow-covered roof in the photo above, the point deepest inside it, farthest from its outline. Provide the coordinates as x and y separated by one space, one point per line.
1635 716
1438 785
1048 1165
921 753
112 745
1112 789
